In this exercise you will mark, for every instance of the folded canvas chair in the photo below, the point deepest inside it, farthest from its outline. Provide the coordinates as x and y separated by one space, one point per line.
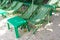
19 5
38 18
13 8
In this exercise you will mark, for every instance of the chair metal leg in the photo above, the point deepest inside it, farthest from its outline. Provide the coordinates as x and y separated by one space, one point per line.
48 18
8 26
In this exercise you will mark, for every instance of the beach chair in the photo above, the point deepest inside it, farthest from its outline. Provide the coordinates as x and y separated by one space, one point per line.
13 8
43 12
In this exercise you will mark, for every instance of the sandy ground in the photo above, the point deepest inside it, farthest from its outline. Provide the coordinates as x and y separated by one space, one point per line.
51 31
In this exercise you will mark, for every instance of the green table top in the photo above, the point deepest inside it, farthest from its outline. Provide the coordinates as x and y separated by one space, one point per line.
16 21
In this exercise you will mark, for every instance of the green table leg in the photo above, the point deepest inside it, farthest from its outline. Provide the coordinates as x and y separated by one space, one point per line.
51 12
28 28
8 26
26 25
17 33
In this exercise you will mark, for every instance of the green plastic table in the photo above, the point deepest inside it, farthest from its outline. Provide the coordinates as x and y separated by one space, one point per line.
17 22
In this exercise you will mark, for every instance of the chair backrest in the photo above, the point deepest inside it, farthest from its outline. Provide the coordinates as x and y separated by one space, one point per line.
29 12
5 4
17 6
58 4
51 2
12 5
5 1
41 14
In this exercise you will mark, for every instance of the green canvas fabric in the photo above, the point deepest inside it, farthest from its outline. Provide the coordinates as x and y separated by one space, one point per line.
4 5
29 12
3 2
12 5
17 6
42 13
